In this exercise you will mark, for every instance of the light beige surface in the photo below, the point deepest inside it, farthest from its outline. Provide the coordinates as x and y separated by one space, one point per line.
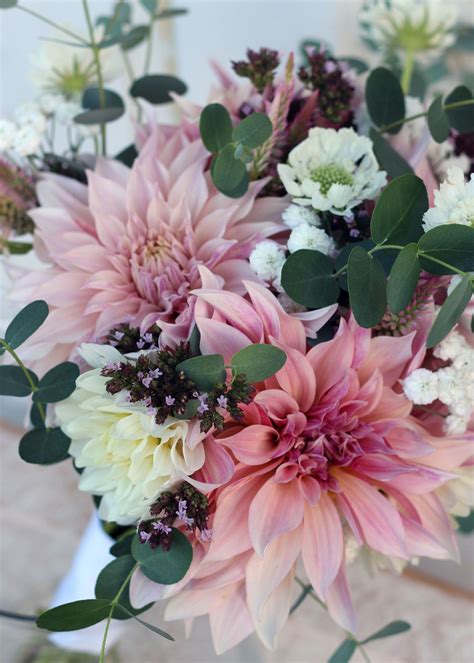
43 516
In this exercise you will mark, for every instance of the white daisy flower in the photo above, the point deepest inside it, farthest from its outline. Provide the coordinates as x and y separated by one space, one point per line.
305 236
294 215
409 25
26 141
267 259
453 202
421 386
7 134
332 171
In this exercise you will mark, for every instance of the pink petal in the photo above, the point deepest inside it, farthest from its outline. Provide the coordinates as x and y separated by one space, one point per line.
390 354
274 614
297 378
331 360
220 338
230 619
339 604
253 445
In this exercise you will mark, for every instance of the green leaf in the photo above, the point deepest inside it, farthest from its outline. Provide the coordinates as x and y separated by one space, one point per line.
367 287
389 159
450 312
123 545
57 384
163 567
8 4
13 381
229 174
461 119
464 38
344 652
215 126
258 362
466 523
393 628
243 153
171 13
343 257
156 88
398 215
438 121
127 156
134 37
16 248
308 278
150 5
205 371
403 278
195 341
35 416
74 616
360 66
98 113
44 446
109 582
26 322
150 627
451 243
254 130
385 99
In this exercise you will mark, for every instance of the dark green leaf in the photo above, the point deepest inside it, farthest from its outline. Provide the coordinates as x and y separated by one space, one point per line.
44 446
150 5
360 66
195 341
461 119
228 173
99 116
134 37
205 371
367 287
243 153
393 628
98 110
403 278
254 130
398 215
215 126
385 99
451 243
123 545
109 582
26 322
35 416
163 567
74 616
464 38
438 122
150 627
57 384
171 13
307 277
344 652
450 312
156 88
466 523
13 382
127 156
258 362
388 158
343 257
16 248
8 4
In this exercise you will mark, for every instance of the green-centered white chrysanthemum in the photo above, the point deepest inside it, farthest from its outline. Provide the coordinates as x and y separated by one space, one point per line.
126 457
332 171
453 202
418 26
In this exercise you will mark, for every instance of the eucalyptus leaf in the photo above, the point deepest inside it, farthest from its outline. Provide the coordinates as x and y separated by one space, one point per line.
450 312
360 66
172 12
205 371
134 37
35 416
8 4
243 153
44 446
123 545
344 652
150 5
91 99
110 581
385 99
215 126
393 628
26 322
164 567
438 121
367 287
308 278
228 173
461 119
258 362
156 88
74 616
403 278
451 243
16 248
100 116
150 627
13 381
398 215
127 156
388 157
254 130
57 384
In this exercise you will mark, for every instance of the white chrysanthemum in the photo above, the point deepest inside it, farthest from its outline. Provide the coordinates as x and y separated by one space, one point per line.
30 115
421 386
7 135
417 26
50 102
267 259
127 457
453 202
294 215
332 171
26 141
305 236
442 157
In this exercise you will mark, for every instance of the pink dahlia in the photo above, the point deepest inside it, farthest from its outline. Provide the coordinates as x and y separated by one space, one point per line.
128 246
328 446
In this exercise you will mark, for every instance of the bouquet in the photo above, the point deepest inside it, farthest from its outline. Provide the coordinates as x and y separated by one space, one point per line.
251 332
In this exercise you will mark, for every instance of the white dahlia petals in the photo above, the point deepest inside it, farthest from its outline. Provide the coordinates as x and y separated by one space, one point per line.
305 236
453 202
267 259
421 386
294 215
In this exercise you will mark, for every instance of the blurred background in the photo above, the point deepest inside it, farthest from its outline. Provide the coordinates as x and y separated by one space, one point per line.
37 537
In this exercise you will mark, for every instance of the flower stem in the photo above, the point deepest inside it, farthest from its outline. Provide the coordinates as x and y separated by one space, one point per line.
53 24
26 372
442 263
407 71
149 46
379 247
113 605
398 123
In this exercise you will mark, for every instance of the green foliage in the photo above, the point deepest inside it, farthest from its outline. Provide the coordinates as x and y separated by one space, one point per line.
165 567
403 279
8 4
57 384
385 99
156 88
393 628
367 287
452 244
307 277
134 37
258 362
254 130
344 652
123 545
466 523
438 121
150 5
100 109
74 616
127 156
25 323
388 157
450 312
14 382
461 119
16 248
38 410
347 648
215 126
229 174
205 371
44 446
110 582
360 66
398 215
150 627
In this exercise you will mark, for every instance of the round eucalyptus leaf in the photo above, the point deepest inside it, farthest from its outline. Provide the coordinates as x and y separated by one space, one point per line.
394 628
44 446
109 582
258 362
450 312
57 384
308 278
388 157
74 616
26 322
35 415
215 126
13 381
451 243
164 567
367 287
438 121
156 88
385 99
461 119
123 545
205 371
344 652
135 37
100 116
127 156
228 173
403 278
254 130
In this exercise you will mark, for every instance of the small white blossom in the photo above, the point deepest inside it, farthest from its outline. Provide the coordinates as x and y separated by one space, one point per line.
50 102
421 386
294 215
453 202
267 259
30 115
305 236
7 135
26 141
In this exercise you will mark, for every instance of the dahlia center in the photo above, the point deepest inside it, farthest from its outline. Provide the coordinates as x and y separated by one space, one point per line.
331 174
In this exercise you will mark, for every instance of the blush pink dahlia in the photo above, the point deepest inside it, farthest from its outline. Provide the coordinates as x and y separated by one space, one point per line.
128 246
328 445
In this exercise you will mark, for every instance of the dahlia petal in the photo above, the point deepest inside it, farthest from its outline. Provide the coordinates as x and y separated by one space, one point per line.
297 378
390 354
331 360
408 442
106 198
98 356
381 467
220 338
217 470
253 445
436 521
276 403
275 612
310 489
214 575
235 310
230 619
339 603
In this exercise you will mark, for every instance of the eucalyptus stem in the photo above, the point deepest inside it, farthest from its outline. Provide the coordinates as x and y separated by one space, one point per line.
98 67
364 653
27 374
408 71
443 264
53 24
398 123
113 605
149 46
379 247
